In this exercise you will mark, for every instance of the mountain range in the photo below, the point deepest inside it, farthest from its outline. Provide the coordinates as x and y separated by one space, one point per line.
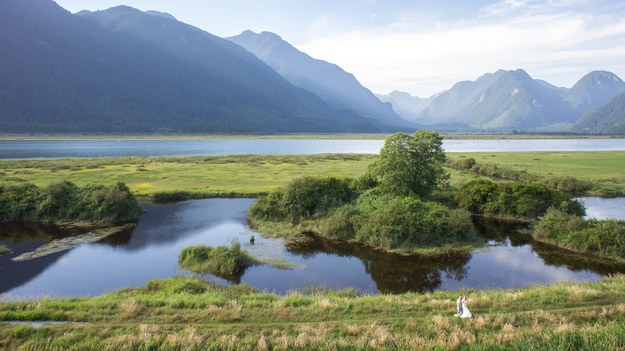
122 70
328 81
509 100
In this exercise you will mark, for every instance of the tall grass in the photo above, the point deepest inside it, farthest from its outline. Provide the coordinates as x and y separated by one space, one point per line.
191 314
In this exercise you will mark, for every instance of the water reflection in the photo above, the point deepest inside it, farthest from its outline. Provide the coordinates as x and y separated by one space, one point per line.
133 257
392 273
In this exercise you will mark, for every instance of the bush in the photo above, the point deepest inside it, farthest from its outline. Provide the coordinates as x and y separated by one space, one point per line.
403 223
605 238
221 261
526 200
303 198
65 202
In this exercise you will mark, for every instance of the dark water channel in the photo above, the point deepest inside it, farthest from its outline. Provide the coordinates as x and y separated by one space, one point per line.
150 250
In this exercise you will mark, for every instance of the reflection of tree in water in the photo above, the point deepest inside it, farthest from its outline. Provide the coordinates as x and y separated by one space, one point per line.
501 230
392 273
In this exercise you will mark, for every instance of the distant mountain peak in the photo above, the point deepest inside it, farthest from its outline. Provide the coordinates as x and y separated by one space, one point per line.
161 14
328 81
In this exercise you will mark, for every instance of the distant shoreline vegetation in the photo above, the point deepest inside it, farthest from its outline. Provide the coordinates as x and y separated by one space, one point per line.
66 202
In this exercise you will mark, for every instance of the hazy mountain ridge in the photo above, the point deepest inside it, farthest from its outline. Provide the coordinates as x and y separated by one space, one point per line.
405 105
607 119
123 70
512 100
327 80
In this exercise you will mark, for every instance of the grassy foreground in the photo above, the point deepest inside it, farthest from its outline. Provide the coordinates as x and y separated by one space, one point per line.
252 175
189 314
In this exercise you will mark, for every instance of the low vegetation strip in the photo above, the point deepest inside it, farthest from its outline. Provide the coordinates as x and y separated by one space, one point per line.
191 314
604 238
593 173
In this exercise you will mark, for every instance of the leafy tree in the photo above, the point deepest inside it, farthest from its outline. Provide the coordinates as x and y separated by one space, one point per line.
411 165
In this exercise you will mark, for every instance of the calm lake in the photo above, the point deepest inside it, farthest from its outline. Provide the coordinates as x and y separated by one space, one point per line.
114 148
150 250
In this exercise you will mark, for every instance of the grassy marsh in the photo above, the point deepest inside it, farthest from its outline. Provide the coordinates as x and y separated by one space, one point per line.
196 176
252 175
605 170
186 313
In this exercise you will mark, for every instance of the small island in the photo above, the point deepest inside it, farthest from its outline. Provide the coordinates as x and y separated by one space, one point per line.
399 205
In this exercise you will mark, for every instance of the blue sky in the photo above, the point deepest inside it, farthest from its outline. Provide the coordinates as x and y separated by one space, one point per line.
422 47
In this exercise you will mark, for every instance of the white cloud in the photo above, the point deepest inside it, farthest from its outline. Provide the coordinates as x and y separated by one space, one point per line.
548 39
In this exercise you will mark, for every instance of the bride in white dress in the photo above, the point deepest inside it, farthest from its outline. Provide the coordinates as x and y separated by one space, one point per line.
465 310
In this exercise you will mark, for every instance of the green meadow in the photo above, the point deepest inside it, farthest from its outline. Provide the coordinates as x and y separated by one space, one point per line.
252 175
189 314
201 176
606 167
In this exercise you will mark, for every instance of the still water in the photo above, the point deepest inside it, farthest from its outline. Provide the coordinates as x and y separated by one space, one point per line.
113 148
150 250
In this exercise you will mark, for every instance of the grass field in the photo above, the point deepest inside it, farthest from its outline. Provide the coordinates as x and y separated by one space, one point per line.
606 168
202 176
188 314
250 175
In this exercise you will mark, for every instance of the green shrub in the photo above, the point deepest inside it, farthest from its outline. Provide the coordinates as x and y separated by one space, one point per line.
303 197
65 202
403 223
3 249
605 238
221 260
526 200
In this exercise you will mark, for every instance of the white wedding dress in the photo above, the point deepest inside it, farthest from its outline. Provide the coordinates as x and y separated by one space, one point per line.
465 311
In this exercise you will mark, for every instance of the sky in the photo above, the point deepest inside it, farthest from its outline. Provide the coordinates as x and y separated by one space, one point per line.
422 47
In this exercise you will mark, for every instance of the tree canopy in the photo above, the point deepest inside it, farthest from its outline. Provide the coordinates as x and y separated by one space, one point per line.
411 165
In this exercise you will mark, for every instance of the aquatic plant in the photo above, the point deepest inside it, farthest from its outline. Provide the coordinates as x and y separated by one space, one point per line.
220 260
